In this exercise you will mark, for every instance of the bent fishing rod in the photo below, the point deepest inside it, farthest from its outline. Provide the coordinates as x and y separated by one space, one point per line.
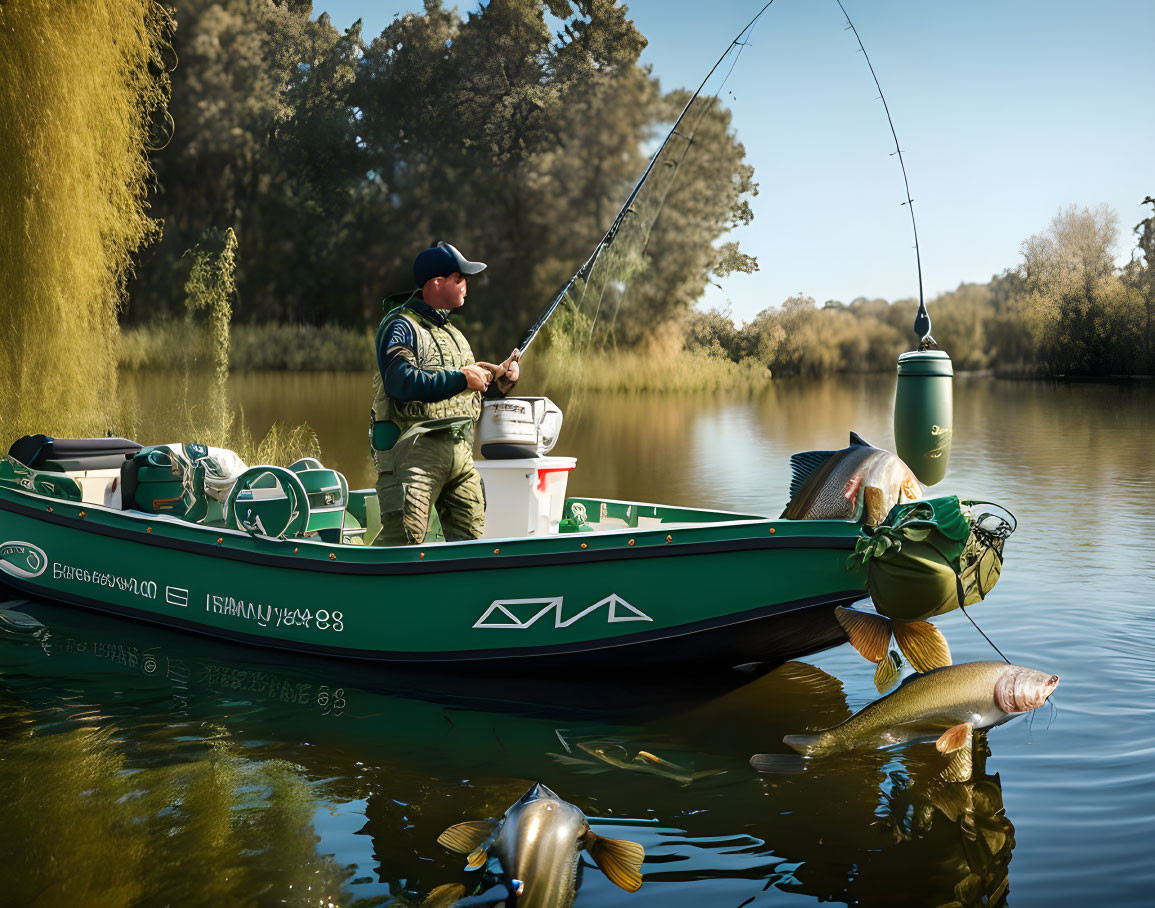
585 270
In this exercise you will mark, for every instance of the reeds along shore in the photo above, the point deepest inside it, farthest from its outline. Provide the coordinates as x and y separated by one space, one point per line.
1066 311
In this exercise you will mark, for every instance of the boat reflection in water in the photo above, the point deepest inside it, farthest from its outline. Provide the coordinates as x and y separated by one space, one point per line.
142 765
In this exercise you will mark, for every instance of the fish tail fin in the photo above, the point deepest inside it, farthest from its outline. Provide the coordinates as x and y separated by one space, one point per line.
619 859
923 644
869 634
477 858
781 764
804 744
465 837
888 672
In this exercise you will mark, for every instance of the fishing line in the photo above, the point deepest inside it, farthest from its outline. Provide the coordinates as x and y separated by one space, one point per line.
963 609
922 320
741 45
587 268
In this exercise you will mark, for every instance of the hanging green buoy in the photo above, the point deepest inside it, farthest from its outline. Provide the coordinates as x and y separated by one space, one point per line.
924 406
922 401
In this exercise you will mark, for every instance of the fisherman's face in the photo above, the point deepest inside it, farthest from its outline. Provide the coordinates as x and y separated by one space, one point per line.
445 292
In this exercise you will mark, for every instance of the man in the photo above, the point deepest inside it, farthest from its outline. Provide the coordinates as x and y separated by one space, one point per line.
426 398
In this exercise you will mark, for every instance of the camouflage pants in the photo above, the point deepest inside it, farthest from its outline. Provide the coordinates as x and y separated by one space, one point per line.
433 470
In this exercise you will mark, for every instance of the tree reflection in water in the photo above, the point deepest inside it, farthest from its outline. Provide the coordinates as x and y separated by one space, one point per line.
142 766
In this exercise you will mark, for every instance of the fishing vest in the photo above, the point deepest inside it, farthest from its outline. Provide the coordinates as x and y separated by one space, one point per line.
440 348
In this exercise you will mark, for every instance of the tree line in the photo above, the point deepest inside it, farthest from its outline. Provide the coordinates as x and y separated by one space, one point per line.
335 158
1066 309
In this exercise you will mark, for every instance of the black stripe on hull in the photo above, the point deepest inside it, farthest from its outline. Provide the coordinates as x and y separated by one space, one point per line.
766 635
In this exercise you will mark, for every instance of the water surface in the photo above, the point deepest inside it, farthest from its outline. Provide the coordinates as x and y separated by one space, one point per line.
142 766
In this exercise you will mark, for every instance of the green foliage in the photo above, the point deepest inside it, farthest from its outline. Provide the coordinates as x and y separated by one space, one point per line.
1140 275
210 287
1066 310
81 88
1083 316
337 160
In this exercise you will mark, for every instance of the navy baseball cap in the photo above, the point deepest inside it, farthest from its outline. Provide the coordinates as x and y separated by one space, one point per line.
441 261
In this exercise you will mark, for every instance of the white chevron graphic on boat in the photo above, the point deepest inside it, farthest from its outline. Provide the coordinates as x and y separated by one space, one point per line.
499 616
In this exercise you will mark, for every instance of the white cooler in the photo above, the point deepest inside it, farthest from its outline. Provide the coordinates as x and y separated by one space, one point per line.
524 496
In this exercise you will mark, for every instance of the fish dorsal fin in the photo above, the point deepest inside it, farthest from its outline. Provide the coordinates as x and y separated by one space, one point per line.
465 837
619 860
923 644
803 465
955 738
858 440
444 896
869 634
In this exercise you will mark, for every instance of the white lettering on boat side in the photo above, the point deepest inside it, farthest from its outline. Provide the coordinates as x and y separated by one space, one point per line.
138 586
511 614
265 615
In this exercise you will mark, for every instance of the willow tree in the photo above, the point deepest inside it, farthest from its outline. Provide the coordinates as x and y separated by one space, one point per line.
81 87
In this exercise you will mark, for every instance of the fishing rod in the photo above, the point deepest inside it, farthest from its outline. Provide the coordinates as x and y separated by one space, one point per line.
608 239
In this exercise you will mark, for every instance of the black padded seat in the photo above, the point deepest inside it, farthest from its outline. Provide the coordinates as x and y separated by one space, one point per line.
59 455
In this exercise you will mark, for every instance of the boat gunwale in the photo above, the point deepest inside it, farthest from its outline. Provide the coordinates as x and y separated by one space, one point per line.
444 556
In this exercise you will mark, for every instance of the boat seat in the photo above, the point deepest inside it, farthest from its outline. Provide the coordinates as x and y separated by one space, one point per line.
17 475
66 455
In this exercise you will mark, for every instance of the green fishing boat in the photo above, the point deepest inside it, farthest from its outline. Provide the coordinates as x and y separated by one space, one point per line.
281 561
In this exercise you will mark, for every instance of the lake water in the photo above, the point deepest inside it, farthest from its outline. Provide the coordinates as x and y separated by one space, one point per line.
141 766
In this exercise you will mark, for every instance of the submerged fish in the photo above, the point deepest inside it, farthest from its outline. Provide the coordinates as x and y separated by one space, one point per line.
860 482
608 754
539 841
948 703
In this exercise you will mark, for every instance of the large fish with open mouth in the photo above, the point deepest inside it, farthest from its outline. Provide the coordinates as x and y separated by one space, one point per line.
538 842
859 483
947 702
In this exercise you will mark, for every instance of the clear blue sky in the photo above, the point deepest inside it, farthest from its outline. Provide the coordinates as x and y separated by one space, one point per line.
1007 111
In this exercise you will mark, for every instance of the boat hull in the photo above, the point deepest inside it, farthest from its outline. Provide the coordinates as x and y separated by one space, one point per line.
724 593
